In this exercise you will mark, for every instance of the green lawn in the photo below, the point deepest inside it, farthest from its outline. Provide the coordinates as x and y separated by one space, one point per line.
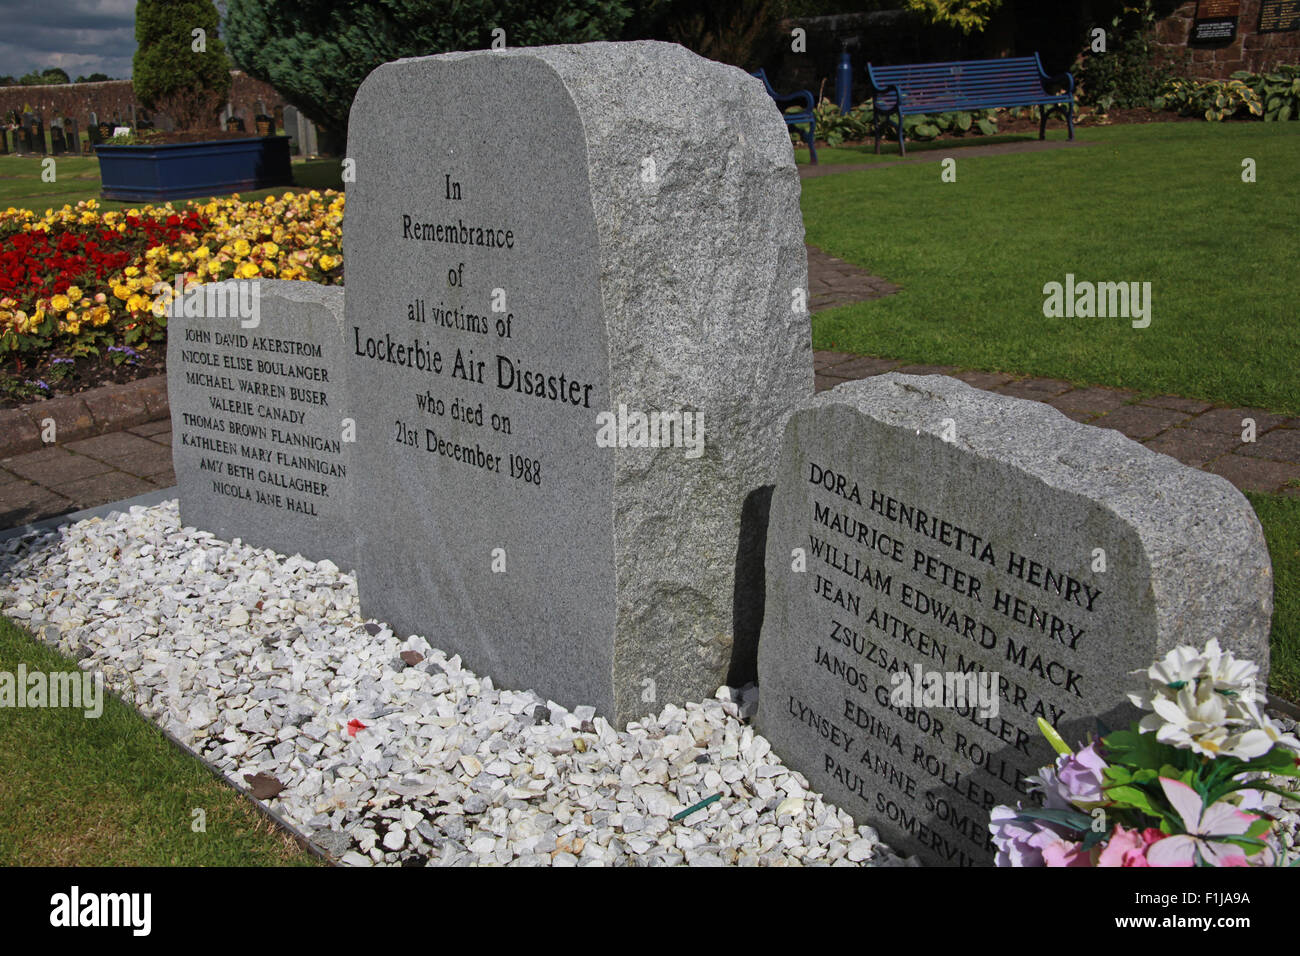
1280 517
1162 203
113 791
77 178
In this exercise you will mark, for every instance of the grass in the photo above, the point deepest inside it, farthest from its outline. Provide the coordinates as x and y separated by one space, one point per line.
866 152
1161 203
21 185
1280 516
113 791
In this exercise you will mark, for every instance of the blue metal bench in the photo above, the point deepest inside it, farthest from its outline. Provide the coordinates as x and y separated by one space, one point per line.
805 115
918 88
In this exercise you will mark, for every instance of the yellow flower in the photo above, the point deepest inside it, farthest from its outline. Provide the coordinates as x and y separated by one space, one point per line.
122 292
327 263
74 292
242 247
132 271
248 270
60 302
137 303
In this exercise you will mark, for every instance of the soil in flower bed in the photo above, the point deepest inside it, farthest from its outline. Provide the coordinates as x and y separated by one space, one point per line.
53 376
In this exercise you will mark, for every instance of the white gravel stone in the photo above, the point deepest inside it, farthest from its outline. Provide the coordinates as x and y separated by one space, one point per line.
260 663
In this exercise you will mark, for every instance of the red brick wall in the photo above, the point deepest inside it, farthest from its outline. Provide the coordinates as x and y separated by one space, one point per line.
1257 52
114 98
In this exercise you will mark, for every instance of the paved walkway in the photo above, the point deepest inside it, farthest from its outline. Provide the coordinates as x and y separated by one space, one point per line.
137 459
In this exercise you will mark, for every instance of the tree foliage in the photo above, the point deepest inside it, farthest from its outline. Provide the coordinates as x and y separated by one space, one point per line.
175 72
971 16
316 52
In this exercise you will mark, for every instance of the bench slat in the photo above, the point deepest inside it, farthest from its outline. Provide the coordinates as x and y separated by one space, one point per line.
964 85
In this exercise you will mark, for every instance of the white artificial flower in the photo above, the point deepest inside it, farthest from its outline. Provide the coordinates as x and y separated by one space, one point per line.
1209 702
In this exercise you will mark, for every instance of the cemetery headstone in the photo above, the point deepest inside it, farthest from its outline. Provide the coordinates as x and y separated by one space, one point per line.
257 415
94 131
975 562
574 312
235 124
4 141
291 118
72 136
23 137
265 125
37 130
105 131
58 146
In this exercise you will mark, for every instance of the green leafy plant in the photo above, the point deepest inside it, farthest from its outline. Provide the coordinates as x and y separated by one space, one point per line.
136 137
1125 76
1216 100
835 127
1279 91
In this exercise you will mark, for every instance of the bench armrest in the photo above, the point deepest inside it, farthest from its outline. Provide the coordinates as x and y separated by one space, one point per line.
1064 78
784 100
879 91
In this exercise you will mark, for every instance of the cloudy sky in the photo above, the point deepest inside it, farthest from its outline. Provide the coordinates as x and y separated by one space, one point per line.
81 36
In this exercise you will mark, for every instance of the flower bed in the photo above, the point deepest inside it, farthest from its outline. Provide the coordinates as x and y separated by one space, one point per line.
82 282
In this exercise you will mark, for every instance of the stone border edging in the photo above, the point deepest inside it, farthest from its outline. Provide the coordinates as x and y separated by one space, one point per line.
97 411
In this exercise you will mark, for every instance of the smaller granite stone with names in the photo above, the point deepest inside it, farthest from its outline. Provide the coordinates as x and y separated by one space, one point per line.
259 413
945 566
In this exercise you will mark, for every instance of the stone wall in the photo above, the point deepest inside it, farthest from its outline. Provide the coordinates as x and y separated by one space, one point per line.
113 99
1257 52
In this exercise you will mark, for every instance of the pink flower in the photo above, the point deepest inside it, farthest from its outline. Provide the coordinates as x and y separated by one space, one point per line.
1058 851
1204 826
1128 847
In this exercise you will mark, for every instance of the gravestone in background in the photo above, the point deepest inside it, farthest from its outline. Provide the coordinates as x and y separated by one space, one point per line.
37 135
58 145
258 420
632 210
71 136
984 552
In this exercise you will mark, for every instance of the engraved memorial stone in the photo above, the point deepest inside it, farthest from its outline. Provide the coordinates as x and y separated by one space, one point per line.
258 393
573 312
975 562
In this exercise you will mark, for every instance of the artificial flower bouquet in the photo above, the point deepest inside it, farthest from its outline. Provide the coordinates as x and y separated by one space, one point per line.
1193 783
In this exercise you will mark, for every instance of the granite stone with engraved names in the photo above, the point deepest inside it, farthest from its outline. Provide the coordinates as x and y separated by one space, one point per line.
922 530
259 408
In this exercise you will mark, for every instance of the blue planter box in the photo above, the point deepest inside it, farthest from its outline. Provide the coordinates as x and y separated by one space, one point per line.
186 170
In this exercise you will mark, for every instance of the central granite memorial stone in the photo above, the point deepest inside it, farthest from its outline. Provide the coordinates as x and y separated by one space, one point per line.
946 566
574 320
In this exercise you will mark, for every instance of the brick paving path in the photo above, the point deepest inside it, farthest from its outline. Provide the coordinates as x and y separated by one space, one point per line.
103 468
1196 433
85 473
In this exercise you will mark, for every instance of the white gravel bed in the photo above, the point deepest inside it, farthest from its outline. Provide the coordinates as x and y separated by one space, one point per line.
263 665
